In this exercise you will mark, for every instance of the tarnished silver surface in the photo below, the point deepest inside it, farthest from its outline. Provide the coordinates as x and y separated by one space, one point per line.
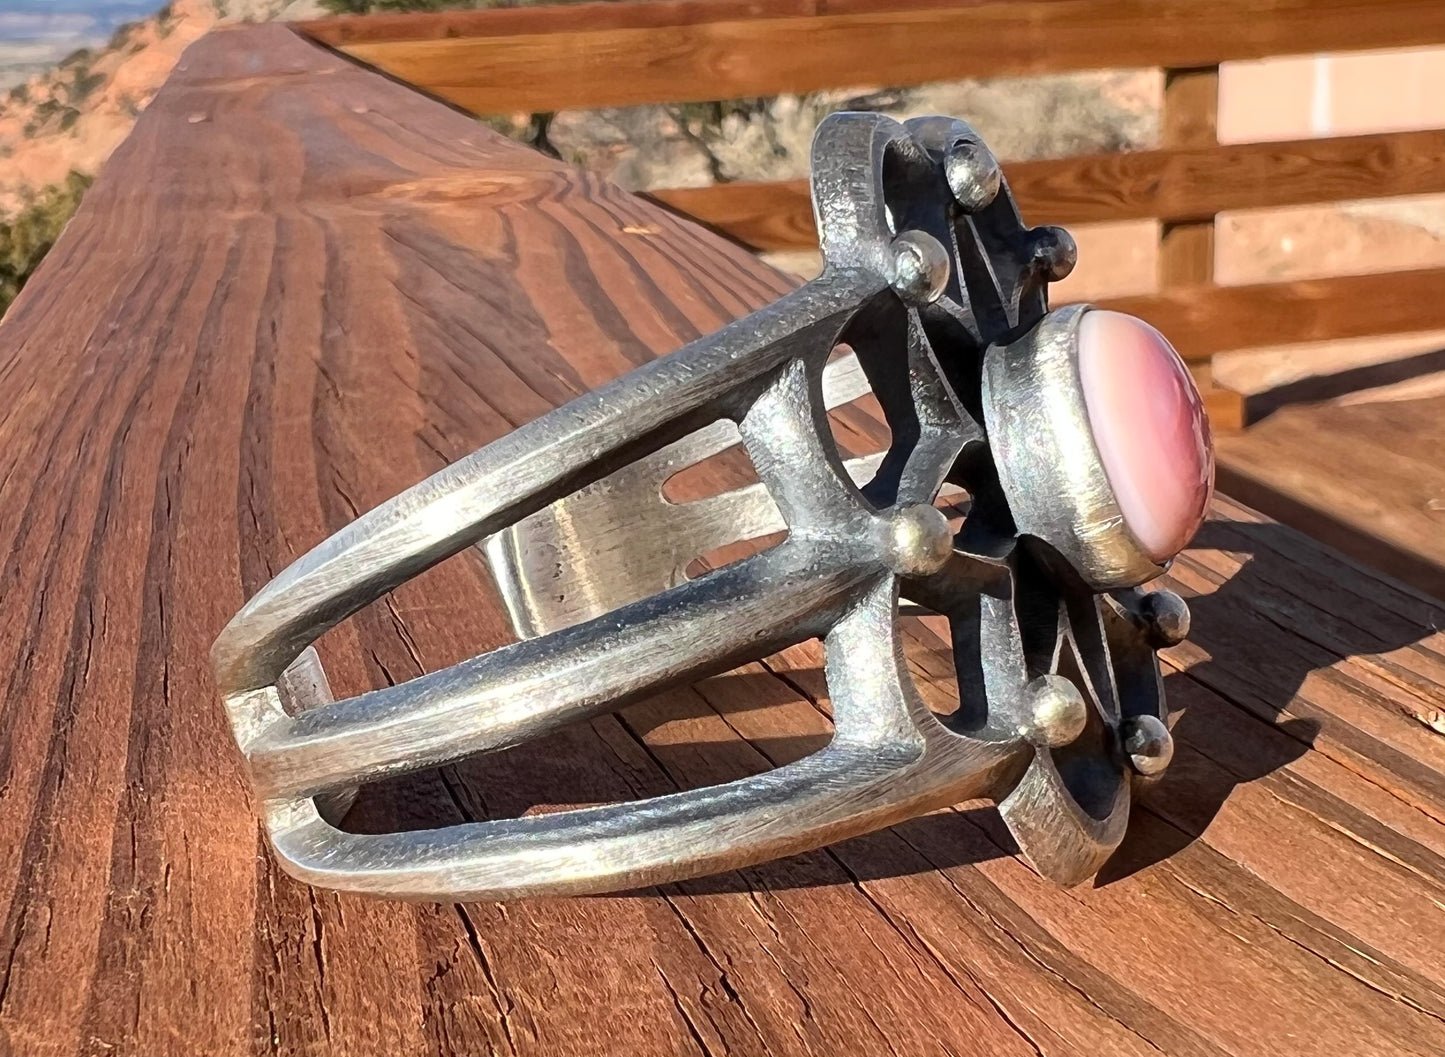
1038 429
940 292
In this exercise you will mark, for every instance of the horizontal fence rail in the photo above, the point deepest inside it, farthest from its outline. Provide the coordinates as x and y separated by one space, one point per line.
550 58
1204 320
593 55
1183 184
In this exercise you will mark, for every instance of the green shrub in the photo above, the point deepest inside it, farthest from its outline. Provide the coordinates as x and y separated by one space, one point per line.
123 34
82 83
76 58
26 237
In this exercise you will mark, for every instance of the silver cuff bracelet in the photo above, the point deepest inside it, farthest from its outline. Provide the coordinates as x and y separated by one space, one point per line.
937 296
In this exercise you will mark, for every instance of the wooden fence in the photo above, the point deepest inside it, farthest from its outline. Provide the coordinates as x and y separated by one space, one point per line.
613 54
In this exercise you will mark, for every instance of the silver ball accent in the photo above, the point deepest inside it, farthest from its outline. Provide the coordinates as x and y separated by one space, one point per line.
973 174
920 267
1058 713
1148 744
1054 252
917 540
1167 617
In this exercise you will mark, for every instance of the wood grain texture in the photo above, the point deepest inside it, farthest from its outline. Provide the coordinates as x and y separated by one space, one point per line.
298 288
506 22
1177 184
555 58
1364 475
1189 117
1203 320
1226 408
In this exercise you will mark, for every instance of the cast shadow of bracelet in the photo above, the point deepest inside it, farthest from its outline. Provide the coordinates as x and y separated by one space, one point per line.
1230 731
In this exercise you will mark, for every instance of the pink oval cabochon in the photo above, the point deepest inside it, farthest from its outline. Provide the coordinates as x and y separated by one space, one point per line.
1149 425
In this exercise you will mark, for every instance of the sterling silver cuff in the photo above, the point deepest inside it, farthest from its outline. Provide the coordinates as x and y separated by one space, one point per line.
940 293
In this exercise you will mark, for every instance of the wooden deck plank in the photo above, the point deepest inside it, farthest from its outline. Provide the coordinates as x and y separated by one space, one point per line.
1363 475
299 287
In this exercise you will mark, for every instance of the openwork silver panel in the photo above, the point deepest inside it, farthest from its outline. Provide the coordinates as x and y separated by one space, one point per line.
937 293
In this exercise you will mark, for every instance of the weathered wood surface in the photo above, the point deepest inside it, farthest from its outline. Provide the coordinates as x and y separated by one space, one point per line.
1180 184
1189 117
653 50
1203 320
299 287
1365 475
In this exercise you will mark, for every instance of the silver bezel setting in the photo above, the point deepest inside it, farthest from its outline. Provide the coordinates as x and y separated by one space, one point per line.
1049 464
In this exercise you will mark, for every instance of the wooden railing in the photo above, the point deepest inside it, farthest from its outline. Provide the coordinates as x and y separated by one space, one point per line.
612 54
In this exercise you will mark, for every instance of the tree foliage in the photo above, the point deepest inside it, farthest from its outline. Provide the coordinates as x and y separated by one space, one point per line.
26 237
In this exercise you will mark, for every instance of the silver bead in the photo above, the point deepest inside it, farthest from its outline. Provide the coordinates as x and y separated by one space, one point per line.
1054 252
917 540
1058 712
1167 617
920 267
1147 743
973 174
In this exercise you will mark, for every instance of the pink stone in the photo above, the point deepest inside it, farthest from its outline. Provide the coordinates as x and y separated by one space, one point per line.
1149 426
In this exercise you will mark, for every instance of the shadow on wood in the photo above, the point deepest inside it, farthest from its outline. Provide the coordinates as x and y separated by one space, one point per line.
694 736
1321 387
267 319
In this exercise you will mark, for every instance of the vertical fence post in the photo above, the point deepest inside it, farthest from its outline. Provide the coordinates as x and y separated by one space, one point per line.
1189 118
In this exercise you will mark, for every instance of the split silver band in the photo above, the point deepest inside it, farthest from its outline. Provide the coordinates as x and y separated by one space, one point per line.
939 292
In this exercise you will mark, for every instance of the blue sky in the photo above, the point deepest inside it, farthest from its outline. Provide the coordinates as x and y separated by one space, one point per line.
65 20
34 34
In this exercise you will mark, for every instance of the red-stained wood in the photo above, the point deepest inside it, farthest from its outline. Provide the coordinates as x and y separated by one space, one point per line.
1181 183
299 287
520 21
1364 475
1203 320
549 58
1189 117
609 15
